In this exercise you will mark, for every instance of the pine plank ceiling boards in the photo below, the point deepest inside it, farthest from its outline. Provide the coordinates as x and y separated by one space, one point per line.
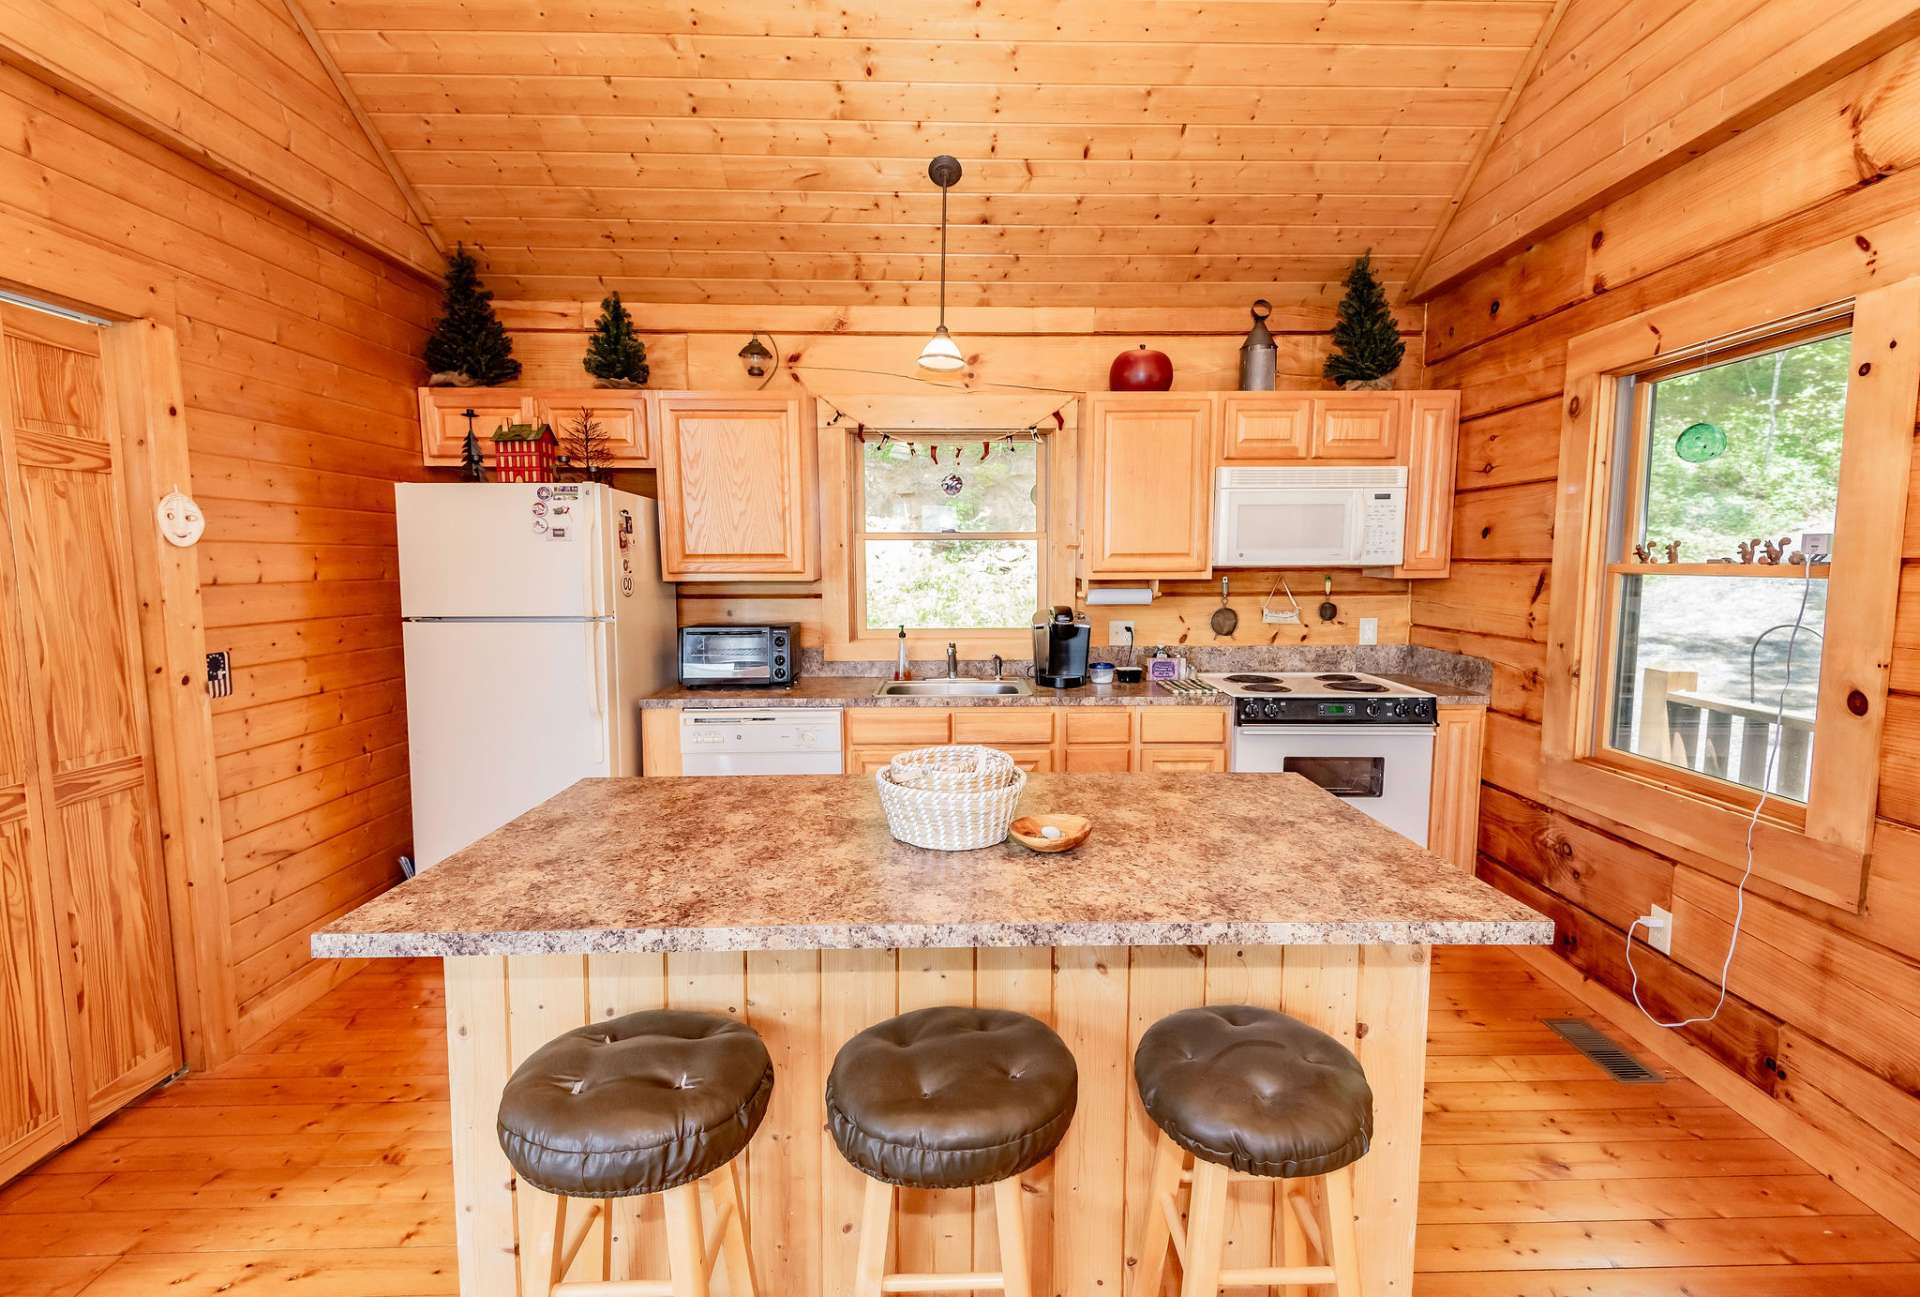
1158 153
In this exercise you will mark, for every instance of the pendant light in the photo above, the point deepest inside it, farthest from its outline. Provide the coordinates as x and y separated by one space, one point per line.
941 352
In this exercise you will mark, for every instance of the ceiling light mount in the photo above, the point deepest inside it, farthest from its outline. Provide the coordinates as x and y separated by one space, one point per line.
941 353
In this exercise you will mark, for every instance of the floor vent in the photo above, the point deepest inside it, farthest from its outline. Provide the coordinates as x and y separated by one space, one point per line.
1611 1056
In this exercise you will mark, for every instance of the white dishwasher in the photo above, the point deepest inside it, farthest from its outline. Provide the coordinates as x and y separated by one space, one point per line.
776 741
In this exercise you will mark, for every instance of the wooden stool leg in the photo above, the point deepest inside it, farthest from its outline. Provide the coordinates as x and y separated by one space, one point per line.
1012 1227
876 1229
1206 1230
1150 1248
557 1264
1343 1239
734 1248
686 1242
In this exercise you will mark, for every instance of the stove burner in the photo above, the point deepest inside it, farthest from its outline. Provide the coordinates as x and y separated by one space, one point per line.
1332 676
1249 679
1274 688
1352 686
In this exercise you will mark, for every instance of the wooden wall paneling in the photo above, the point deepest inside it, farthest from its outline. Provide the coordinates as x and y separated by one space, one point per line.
546 995
784 1202
1089 1167
1018 978
1248 975
933 1229
481 1058
857 989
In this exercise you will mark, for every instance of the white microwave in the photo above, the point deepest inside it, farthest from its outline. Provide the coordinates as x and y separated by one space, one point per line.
1309 517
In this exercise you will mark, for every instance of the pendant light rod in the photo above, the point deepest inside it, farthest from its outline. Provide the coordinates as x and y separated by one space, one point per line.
941 353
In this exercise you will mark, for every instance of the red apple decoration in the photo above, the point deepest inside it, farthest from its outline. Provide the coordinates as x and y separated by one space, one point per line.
1140 371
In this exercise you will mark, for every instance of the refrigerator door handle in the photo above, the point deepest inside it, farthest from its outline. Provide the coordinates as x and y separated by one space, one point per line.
596 559
597 737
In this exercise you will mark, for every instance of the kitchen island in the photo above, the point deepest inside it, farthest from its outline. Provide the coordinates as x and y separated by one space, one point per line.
785 901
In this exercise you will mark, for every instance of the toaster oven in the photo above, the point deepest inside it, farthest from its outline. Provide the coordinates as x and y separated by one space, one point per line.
739 655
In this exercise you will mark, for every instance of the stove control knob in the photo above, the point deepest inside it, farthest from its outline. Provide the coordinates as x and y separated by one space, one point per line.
1273 709
1373 709
1249 709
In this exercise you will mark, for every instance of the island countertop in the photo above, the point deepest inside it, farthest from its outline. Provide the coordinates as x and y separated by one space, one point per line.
807 863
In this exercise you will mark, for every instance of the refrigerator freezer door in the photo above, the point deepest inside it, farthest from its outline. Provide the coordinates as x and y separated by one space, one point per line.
644 618
500 717
475 549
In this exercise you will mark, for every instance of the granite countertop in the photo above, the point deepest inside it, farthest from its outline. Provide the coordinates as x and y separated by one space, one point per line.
859 691
807 863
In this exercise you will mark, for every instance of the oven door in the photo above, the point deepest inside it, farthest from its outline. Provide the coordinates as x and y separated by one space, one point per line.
1274 526
1384 770
712 657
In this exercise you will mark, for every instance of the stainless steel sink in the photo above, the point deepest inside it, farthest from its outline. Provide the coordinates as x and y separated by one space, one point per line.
954 689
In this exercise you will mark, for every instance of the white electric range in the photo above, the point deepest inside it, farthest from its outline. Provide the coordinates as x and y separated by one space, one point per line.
1366 740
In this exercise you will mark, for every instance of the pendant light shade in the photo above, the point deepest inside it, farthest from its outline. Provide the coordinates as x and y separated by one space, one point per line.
941 353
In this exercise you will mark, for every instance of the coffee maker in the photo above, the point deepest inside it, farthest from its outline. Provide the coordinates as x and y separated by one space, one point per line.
1061 642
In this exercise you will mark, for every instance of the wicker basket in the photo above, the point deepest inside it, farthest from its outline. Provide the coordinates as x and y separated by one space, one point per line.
944 820
954 768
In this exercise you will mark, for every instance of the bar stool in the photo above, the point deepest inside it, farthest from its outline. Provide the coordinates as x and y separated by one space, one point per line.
947 1098
654 1102
1249 1093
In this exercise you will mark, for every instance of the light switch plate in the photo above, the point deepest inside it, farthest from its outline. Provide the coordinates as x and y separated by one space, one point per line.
1369 630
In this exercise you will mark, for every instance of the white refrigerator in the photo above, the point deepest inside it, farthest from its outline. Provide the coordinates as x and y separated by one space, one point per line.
534 619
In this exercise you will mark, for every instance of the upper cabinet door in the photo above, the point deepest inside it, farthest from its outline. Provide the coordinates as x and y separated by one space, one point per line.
1274 425
444 422
1147 485
1433 422
620 418
736 489
1357 425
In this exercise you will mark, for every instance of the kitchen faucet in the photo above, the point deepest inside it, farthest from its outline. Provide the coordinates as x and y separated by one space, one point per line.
999 667
953 662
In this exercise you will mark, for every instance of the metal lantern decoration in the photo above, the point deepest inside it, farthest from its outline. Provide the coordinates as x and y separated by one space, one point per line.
1259 355
756 357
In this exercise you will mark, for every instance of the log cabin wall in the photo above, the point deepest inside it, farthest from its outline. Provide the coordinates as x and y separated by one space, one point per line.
297 353
1823 1020
866 350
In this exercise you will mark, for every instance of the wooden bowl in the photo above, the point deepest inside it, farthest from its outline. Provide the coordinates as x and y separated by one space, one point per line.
1074 829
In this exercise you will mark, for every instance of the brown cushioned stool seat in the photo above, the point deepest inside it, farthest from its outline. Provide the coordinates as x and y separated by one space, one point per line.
948 1097
639 1104
1255 1090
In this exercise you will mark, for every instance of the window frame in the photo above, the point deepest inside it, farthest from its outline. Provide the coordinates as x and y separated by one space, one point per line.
1819 850
1632 427
857 515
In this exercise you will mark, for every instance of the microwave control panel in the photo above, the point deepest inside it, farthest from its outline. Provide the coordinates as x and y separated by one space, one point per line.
1383 524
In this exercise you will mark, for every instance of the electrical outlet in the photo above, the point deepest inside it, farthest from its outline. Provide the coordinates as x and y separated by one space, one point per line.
1121 633
1369 630
1659 929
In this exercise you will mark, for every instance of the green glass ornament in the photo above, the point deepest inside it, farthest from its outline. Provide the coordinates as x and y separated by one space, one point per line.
1700 442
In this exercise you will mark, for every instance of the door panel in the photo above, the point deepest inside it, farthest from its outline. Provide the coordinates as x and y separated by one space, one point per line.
1146 486
82 757
736 489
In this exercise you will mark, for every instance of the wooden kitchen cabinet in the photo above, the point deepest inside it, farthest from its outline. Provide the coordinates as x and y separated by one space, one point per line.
1433 423
1177 758
1353 425
1453 815
1267 426
1099 759
737 489
1147 485
623 415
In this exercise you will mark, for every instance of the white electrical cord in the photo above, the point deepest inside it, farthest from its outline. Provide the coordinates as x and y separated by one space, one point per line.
1766 783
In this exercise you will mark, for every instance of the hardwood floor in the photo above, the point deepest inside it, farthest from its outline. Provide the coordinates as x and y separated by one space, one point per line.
316 1165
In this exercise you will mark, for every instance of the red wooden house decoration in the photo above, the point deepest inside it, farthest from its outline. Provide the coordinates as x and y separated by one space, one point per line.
523 452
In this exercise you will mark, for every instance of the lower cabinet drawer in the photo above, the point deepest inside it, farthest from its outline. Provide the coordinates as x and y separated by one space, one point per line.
1183 725
1112 759
1099 725
1003 725
906 727
1035 761
1170 759
864 761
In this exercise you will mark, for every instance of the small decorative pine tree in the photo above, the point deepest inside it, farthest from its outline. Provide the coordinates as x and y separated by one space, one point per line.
469 346
588 450
615 355
1367 346
472 466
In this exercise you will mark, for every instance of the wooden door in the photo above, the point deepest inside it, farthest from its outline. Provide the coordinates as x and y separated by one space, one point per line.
1357 425
736 489
37 1112
92 775
443 420
1268 426
622 416
1433 422
1147 489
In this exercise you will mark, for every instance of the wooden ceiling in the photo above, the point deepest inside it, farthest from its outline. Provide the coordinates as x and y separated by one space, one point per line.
758 151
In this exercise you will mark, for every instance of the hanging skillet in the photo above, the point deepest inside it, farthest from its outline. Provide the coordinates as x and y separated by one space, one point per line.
1225 619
